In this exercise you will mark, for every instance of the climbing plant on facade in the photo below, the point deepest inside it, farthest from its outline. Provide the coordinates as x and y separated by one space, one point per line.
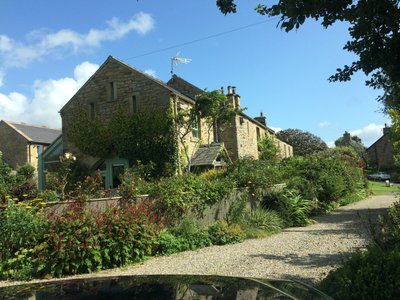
145 136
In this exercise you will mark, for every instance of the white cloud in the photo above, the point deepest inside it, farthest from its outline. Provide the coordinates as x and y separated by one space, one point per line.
19 54
48 98
151 72
369 134
331 144
276 129
12 106
324 124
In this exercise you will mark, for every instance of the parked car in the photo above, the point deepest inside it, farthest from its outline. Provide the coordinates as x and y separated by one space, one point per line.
164 287
379 176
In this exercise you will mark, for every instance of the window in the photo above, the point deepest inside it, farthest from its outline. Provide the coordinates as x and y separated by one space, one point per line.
258 133
113 90
195 128
134 104
92 113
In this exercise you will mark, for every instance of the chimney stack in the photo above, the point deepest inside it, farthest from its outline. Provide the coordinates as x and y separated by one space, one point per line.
261 119
386 129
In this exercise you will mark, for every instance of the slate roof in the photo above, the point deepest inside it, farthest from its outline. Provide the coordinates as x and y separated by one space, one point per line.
36 134
207 155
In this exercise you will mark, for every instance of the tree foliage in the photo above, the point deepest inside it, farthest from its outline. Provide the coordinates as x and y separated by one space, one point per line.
268 150
354 142
374 30
214 108
303 142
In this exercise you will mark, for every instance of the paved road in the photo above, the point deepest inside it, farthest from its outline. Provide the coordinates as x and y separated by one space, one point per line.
304 253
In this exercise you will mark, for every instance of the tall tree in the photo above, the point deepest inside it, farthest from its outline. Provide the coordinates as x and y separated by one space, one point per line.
374 30
303 142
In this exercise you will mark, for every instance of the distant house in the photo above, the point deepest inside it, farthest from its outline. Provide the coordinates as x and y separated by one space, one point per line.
380 153
116 84
21 143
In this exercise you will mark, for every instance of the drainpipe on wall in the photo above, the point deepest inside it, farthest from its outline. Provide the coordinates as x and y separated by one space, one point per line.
175 101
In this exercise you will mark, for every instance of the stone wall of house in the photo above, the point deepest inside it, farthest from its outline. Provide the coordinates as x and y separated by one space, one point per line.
116 84
381 153
285 150
113 85
192 143
13 146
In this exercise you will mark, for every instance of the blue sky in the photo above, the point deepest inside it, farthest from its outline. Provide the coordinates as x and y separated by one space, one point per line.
48 49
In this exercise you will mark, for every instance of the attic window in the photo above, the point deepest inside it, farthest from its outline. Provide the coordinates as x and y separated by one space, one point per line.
92 111
113 90
134 104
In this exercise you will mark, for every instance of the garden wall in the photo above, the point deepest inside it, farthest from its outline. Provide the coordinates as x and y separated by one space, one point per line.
213 213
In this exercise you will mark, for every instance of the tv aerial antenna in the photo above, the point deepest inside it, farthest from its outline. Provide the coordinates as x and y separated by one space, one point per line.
176 59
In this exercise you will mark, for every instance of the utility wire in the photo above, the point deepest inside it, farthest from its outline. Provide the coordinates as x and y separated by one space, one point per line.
199 39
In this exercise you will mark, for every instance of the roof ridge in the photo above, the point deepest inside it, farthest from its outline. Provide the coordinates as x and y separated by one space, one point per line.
36 126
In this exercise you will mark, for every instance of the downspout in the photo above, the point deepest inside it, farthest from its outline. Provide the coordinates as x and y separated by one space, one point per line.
41 179
175 103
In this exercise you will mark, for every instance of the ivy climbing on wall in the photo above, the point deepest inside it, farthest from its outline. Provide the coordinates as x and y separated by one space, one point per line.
146 136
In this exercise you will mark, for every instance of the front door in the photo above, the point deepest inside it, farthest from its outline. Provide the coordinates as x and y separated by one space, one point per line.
111 170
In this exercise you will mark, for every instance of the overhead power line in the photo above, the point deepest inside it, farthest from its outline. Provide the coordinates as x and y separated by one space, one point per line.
199 39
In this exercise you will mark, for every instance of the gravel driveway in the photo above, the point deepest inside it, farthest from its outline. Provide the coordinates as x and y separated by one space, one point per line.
303 253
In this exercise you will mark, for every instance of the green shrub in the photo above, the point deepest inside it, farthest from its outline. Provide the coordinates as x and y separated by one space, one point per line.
326 177
192 235
81 240
20 227
167 244
267 220
180 195
253 174
386 235
371 274
237 211
291 206
221 233
268 150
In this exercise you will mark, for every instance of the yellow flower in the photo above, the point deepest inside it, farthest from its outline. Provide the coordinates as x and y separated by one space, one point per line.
42 203
20 203
25 195
15 199
28 206
8 197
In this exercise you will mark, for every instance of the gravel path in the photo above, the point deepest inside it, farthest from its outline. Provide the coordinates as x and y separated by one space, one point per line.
303 253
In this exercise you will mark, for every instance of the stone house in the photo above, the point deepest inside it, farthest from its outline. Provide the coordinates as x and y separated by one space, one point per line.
380 153
22 143
116 84
242 134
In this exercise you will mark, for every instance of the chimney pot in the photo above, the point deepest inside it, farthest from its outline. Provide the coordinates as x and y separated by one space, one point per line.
234 90
229 90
